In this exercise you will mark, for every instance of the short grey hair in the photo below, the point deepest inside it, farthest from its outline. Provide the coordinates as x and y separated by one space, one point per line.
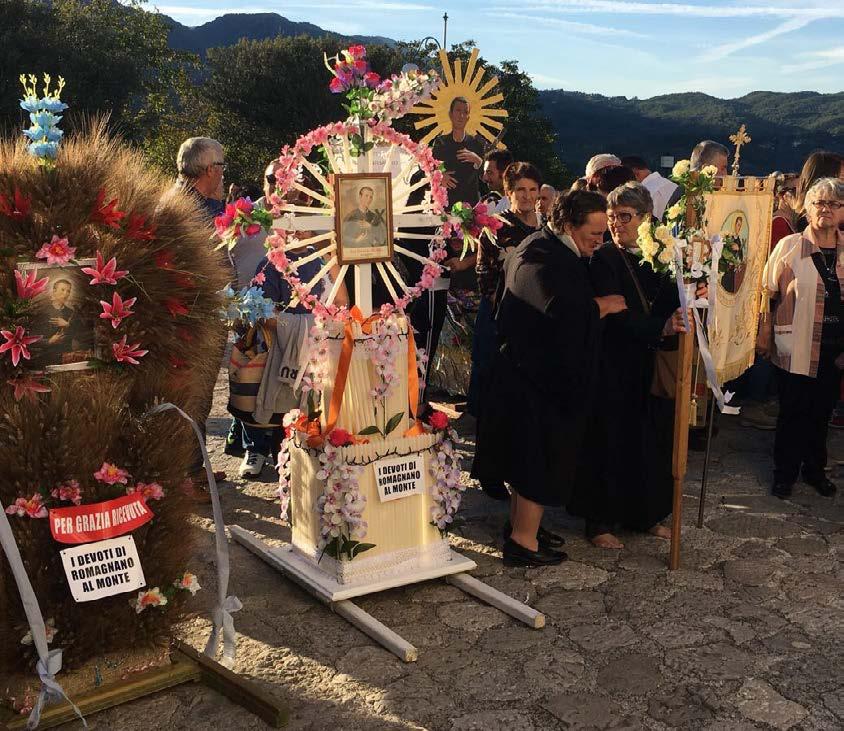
832 187
548 186
633 195
706 153
193 156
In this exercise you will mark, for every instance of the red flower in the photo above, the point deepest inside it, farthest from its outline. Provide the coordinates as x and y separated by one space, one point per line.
185 281
337 86
357 52
118 310
29 286
124 353
27 387
164 259
175 307
18 209
17 343
243 205
253 228
135 228
106 213
438 421
371 79
223 222
105 273
340 438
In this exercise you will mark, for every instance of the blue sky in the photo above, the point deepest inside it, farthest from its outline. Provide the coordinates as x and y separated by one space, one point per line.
642 48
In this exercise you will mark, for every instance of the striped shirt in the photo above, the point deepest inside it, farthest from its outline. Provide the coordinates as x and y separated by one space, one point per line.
794 285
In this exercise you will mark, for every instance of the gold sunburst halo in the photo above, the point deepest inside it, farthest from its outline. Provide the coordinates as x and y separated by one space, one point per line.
483 96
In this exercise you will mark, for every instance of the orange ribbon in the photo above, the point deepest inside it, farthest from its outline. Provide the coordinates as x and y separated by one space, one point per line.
345 361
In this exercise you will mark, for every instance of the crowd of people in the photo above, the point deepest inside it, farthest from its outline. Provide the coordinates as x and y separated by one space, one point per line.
572 342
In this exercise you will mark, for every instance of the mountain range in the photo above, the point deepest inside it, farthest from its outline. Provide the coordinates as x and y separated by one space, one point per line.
785 127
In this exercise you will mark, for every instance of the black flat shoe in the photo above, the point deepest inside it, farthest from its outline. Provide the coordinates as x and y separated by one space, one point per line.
782 490
547 540
517 555
824 487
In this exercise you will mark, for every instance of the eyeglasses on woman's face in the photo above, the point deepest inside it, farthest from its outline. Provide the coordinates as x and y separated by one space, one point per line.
220 165
831 205
620 217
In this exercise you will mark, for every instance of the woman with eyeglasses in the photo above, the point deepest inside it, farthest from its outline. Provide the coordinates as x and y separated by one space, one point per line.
625 477
804 337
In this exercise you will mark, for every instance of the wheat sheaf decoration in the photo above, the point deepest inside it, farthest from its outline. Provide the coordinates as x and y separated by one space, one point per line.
109 303
484 98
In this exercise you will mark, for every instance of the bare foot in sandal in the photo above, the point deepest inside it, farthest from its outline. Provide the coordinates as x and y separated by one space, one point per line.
606 540
661 531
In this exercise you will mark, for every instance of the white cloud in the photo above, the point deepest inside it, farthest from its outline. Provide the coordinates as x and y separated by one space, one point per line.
791 10
817 60
726 49
549 82
574 27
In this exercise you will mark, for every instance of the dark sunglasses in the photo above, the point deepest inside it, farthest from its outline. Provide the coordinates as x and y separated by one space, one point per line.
270 179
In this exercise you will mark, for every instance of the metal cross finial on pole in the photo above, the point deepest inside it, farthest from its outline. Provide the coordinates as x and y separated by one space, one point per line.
738 139
445 29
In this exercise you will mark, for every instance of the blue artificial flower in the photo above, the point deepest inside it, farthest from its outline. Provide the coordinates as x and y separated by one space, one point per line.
47 150
44 119
30 104
54 134
51 104
254 306
35 133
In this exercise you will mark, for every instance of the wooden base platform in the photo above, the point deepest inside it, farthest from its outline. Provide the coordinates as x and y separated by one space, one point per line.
187 666
337 596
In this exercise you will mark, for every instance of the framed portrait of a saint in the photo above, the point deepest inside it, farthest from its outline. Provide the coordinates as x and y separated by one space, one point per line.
363 217
68 341
740 213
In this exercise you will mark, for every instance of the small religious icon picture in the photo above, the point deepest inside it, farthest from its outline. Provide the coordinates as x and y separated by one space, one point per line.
67 334
364 217
735 233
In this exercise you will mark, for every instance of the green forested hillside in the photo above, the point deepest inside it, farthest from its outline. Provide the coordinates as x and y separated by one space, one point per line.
785 127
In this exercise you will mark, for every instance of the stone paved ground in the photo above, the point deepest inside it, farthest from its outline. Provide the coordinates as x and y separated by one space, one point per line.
746 635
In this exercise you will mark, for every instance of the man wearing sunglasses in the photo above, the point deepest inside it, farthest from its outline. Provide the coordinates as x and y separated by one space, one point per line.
200 163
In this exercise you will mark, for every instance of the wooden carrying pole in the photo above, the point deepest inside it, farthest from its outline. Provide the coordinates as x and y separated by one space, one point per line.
682 406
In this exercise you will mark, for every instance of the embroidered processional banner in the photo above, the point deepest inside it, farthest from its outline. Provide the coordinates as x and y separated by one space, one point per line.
740 213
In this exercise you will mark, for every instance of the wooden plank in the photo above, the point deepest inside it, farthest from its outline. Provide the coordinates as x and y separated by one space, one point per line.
249 695
181 670
378 631
497 599
682 405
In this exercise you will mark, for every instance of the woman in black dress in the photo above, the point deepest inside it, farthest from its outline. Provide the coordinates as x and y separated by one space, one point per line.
542 379
625 477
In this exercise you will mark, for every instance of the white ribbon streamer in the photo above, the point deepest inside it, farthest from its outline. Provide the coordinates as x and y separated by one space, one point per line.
226 605
49 661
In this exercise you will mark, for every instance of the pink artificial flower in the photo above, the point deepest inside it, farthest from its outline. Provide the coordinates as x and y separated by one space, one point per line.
148 491
259 279
33 508
27 387
68 491
56 252
336 86
278 259
111 474
253 228
124 353
340 438
188 582
17 343
104 273
29 286
118 310
371 79
151 598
